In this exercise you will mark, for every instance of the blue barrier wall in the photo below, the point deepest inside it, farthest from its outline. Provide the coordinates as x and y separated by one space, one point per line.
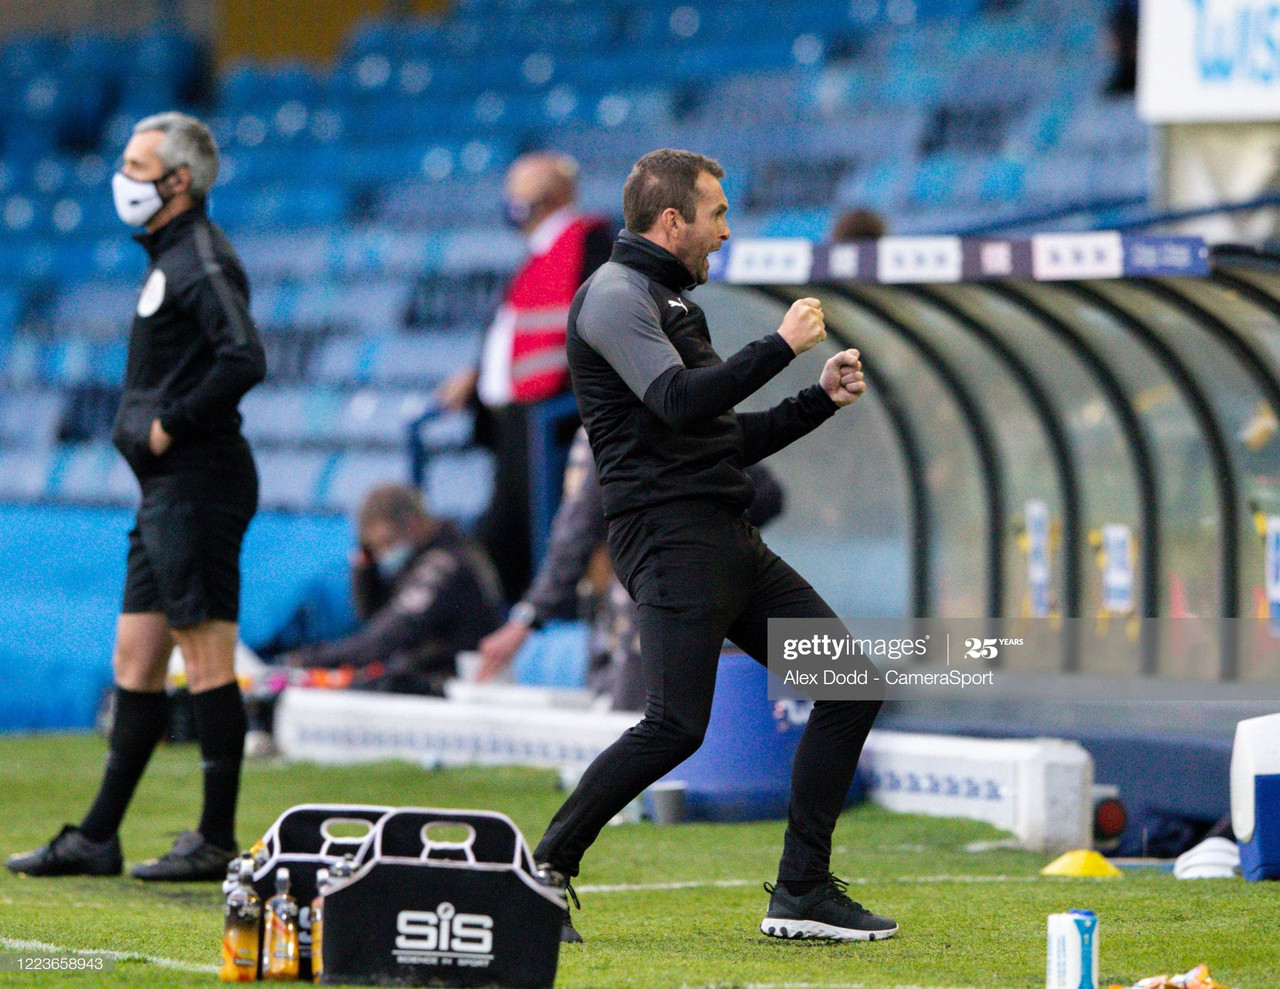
742 772
60 587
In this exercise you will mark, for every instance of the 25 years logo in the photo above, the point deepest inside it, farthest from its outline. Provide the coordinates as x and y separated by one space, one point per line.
986 648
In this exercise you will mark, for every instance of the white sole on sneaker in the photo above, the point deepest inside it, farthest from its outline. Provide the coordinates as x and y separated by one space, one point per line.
812 930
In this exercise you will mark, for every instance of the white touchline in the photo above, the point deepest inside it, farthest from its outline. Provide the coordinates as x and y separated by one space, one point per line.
658 887
845 985
18 944
839 985
861 881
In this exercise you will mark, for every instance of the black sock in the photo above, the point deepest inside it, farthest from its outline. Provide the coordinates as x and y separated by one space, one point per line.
220 726
140 723
801 887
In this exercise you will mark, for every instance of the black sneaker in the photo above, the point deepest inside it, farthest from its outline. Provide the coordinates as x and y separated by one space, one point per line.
191 860
824 913
558 880
71 854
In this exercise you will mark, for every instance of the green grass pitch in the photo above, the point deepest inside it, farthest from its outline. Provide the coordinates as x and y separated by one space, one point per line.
969 918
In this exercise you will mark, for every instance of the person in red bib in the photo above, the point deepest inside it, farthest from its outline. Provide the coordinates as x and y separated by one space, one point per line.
523 360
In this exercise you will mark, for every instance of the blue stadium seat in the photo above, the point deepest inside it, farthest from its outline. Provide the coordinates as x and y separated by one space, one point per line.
22 362
109 361
271 256
288 478
376 251
22 215
425 358
95 308
246 85
12 300
480 249
460 485
24 473
1062 178
292 416
1004 180
25 56
29 418
369 417
753 98
348 360
273 415
386 162
352 474
68 362
92 473
460 201
502 71
278 206
367 306
812 224
935 180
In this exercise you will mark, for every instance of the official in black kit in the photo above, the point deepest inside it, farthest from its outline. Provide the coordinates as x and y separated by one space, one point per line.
193 353
657 403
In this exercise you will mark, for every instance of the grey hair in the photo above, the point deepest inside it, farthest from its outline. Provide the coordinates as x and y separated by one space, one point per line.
187 143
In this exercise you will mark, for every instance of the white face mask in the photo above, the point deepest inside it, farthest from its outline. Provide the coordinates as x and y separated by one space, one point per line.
391 561
136 202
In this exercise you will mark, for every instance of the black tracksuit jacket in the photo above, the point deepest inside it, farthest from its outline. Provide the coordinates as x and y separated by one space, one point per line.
193 349
656 399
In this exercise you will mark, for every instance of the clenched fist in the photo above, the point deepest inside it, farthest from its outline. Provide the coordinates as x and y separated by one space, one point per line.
804 326
841 377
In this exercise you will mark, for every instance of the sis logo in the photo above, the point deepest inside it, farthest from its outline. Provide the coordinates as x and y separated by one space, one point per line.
443 937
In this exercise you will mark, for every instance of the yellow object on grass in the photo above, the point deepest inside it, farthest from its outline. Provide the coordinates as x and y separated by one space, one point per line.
1081 863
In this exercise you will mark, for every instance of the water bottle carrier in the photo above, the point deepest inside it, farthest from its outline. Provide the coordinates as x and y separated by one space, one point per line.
304 839
438 897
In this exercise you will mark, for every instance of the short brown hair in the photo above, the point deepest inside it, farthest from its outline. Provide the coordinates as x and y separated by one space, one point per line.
662 180
858 224
395 504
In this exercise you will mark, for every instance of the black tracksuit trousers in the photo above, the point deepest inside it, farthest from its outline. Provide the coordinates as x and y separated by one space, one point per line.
699 573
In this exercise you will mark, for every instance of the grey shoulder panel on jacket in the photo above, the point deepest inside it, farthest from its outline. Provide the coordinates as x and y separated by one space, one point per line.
620 320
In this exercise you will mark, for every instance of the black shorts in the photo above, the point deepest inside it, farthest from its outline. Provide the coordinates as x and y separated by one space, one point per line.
184 550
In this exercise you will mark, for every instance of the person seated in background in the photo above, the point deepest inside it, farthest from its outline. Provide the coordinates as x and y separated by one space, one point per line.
858 223
424 593
576 555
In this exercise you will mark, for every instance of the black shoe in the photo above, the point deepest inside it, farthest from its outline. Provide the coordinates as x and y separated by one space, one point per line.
824 913
558 880
71 854
191 860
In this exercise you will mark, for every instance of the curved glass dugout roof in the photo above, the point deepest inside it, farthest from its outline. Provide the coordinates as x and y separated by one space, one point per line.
1115 381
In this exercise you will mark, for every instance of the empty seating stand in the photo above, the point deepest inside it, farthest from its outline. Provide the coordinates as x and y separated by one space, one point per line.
364 198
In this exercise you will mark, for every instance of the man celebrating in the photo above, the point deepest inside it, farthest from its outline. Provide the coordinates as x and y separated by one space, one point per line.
523 358
657 403
193 352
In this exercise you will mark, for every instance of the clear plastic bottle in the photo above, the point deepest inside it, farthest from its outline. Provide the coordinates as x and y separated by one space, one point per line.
280 936
233 874
242 928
